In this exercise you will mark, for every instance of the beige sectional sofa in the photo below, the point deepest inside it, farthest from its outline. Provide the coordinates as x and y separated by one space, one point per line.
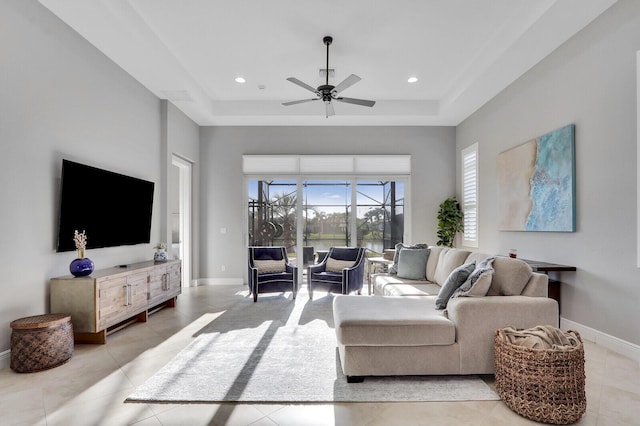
399 331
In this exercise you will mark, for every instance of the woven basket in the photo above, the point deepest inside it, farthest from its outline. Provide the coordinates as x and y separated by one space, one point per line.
545 385
41 342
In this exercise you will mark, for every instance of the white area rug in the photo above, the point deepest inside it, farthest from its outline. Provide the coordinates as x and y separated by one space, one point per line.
283 351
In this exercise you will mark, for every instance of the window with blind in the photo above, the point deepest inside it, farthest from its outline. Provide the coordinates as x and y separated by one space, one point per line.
470 195
320 201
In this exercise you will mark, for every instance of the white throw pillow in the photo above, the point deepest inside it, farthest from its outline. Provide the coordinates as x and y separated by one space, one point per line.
335 265
270 266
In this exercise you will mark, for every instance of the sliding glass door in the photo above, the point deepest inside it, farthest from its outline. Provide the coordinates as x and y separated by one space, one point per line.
309 203
273 213
327 207
380 214
323 210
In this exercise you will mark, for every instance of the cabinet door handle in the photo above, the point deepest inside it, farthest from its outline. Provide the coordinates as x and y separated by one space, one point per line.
126 295
164 282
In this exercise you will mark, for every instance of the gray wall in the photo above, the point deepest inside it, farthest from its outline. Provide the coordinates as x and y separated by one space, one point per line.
224 201
61 98
181 136
589 81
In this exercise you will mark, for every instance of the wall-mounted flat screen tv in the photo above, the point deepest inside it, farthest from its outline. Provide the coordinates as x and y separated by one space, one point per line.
113 209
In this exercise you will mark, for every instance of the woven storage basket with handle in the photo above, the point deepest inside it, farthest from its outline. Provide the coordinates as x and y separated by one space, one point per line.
545 385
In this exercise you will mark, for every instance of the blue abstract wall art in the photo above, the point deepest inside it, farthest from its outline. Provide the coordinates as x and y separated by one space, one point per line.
536 184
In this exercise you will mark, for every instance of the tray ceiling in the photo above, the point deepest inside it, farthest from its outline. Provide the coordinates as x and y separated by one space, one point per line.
463 52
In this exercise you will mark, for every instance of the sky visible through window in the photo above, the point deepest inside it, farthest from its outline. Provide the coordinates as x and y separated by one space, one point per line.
327 213
331 195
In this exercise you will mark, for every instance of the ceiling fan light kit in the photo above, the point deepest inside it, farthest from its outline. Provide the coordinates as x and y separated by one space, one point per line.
328 93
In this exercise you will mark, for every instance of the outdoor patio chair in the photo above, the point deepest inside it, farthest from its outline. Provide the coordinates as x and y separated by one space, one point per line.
308 256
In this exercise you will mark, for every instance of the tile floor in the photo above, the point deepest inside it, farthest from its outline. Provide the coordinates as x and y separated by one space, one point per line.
91 387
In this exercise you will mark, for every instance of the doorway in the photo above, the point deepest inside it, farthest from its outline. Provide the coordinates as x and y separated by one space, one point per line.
181 213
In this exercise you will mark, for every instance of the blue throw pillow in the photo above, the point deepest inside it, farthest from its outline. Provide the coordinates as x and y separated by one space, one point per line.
412 264
393 269
455 279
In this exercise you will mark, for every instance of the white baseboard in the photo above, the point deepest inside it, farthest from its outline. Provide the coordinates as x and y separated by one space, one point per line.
5 359
612 343
219 281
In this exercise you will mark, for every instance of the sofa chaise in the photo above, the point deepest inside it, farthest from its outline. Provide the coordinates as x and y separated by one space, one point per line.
400 331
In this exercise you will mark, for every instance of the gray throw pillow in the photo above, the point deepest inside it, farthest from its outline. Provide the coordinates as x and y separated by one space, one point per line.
455 279
478 282
393 269
480 268
487 263
412 264
477 287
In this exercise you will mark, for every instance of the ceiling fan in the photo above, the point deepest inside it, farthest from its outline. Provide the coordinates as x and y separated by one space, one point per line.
327 92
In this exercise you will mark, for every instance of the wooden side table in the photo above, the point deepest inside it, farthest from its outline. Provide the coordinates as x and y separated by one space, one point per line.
41 342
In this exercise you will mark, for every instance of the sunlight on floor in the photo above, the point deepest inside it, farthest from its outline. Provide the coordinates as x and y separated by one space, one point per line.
91 387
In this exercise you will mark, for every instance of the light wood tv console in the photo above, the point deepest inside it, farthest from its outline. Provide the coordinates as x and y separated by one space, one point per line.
111 299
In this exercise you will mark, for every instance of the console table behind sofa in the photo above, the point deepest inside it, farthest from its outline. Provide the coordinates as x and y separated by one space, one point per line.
554 285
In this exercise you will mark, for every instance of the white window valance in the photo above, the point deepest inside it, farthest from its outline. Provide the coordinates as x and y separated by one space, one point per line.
327 164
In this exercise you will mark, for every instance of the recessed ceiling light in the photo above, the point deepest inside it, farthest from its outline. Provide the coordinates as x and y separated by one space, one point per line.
240 80
412 79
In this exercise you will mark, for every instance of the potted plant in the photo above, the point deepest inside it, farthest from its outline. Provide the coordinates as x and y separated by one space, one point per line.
450 222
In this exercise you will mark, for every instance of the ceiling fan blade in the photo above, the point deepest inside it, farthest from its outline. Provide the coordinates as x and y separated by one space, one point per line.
362 102
329 109
298 102
302 84
346 83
